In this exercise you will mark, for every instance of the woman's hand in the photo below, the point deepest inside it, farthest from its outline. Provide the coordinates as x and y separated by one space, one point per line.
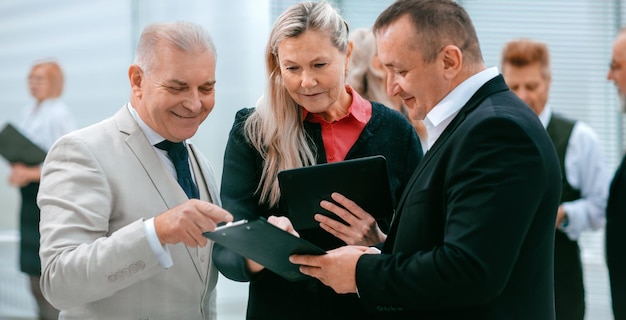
22 175
362 228
281 222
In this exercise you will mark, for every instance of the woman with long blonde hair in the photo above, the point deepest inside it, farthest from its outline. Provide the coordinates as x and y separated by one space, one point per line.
308 115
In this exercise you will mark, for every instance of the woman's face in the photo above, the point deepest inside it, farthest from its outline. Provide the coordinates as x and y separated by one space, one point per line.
314 73
39 84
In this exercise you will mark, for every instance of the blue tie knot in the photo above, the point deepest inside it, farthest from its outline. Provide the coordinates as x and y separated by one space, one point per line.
178 154
176 150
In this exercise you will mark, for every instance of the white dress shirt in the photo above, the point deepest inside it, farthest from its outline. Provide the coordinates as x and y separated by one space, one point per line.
586 171
45 123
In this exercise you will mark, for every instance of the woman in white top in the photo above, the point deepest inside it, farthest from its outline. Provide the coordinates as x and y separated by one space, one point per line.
43 122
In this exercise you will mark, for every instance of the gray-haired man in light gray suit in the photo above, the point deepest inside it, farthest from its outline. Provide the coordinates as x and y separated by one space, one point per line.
120 238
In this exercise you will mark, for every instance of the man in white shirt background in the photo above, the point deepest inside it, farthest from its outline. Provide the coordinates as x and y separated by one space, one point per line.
525 66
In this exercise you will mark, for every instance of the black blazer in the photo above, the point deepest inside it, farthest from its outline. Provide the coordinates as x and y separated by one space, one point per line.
388 133
473 237
616 241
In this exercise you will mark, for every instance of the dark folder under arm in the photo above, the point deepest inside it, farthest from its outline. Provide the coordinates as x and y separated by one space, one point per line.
266 244
15 147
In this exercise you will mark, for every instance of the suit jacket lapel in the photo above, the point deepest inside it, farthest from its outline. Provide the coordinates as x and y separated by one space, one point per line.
203 169
615 185
147 157
208 192
491 87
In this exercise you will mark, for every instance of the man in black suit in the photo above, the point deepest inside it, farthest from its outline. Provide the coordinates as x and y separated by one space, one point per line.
616 204
473 236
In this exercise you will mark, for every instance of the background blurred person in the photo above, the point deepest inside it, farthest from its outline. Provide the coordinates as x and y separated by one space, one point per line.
526 69
369 78
43 122
616 203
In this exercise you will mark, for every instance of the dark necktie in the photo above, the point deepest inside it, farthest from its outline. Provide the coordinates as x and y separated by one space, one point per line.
178 154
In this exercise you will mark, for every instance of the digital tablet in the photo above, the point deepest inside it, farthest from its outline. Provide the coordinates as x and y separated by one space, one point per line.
364 181
266 244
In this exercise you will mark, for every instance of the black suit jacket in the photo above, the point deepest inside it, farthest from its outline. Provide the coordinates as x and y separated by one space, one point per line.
616 241
474 233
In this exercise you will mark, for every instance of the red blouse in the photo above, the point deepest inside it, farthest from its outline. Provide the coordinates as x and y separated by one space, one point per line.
340 135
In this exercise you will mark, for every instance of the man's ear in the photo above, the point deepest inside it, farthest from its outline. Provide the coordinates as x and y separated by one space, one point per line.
348 56
136 76
452 58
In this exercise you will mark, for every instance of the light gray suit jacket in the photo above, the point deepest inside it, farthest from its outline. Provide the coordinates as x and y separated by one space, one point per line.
98 186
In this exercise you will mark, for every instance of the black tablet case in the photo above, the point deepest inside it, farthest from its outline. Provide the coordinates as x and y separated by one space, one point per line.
364 181
15 147
266 244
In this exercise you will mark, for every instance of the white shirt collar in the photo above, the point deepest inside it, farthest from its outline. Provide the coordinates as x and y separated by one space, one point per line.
545 115
444 112
152 136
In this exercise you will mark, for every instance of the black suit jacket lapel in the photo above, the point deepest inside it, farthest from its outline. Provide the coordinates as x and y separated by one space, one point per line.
614 188
491 87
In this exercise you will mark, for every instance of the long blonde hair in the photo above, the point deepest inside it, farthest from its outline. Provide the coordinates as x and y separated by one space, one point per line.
275 129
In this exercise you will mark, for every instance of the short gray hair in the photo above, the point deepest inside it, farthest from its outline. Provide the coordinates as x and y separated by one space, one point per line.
183 35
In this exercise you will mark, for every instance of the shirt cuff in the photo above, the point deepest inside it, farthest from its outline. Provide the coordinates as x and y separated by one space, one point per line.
572 225
161 252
